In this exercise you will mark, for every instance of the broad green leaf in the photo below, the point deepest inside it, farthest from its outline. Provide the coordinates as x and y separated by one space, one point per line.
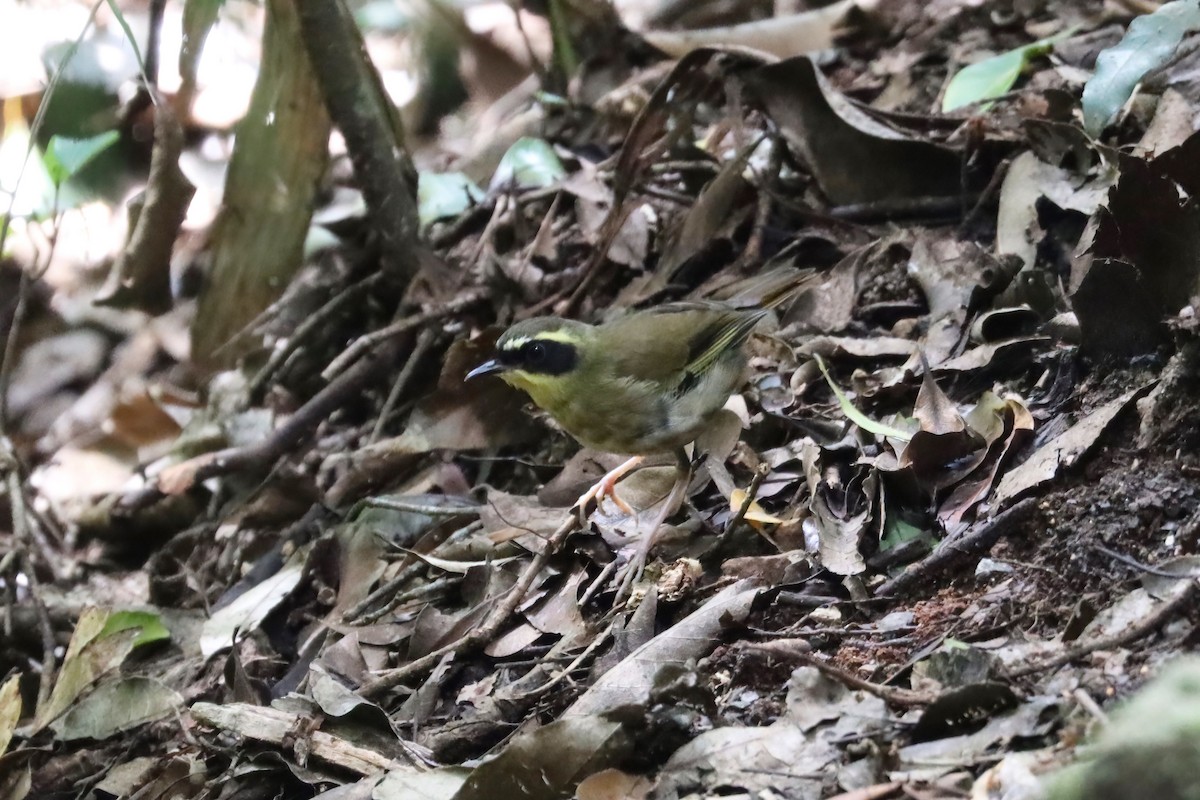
151 627
94 652
529 164
445 194
993 76
898 532
857 417
65 157
1150 42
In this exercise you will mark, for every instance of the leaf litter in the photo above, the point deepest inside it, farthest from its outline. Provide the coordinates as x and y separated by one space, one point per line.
947 522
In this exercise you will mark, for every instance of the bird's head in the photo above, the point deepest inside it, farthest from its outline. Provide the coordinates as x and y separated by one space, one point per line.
542 356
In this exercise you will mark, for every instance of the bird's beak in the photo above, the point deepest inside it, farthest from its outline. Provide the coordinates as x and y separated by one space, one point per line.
485 368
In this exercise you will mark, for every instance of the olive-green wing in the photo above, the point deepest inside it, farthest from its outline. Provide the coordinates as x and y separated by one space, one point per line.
675 344
723 329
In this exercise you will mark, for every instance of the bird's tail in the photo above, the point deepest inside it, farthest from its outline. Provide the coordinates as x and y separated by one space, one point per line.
771 289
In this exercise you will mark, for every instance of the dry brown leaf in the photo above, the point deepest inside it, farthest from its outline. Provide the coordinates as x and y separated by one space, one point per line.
1064 450
854 157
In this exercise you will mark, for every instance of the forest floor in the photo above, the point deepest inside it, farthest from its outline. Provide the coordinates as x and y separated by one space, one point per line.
949 523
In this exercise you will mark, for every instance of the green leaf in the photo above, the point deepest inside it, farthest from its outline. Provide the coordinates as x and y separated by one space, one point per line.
994 76
1150 42
152 629
565 57
529 164
446 194
65 157
857 417
898 532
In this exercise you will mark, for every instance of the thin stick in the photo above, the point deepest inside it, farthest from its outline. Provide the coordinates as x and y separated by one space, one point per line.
280 354
748 500
889 694
281 441
16 499
363 344
1159 617
9 356
977 541
433 587
950 207
488 629
425 340
985 197
354 613
428 509
762 214
1149 570
575 664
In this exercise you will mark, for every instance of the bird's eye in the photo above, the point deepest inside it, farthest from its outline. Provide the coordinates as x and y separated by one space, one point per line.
535 354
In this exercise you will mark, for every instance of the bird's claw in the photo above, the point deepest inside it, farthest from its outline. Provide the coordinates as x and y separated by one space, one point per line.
606 487
628 575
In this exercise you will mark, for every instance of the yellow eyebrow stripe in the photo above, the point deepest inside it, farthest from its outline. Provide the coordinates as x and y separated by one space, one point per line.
550 336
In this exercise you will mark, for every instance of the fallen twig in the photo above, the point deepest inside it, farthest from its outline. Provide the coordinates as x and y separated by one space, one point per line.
363 344
23 536
281 353
425 340
972 543
905 698
1146 568
278 728
904 208
181 477
347 385
600 639
431 588
747 501
488 629
1159 617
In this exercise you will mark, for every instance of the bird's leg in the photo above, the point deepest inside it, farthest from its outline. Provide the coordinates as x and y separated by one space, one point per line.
631 572
607 487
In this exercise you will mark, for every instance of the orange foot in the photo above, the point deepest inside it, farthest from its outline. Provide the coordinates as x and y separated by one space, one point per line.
607 487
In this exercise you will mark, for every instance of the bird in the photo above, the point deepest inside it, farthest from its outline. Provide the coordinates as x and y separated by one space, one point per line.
642 384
